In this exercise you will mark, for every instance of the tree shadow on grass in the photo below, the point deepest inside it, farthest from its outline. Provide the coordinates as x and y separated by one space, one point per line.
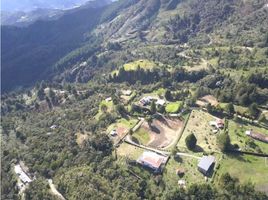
236 155
198 149
135 140
178 158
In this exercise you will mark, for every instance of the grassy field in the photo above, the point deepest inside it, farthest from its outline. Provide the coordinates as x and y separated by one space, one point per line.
238 136
122 123
173 107
129 151
239 109
142 136
237 74
109 105
247 169
144 64
192 175
198 124
203 64
160 92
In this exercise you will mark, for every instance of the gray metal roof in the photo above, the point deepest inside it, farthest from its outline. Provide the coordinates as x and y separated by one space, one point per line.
206 162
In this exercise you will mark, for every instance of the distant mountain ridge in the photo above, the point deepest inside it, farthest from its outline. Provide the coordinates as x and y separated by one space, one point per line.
92 33
29 5
21 18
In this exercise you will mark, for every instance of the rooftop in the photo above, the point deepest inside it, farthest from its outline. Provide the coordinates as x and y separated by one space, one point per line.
152 159
206 162
22 175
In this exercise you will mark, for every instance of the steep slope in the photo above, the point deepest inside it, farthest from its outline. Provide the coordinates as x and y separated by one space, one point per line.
74 46
21 18
27 53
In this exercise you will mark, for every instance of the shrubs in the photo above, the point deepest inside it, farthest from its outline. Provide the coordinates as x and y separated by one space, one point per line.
223 141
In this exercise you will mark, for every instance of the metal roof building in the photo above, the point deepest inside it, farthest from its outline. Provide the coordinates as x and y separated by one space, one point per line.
205 163
22 175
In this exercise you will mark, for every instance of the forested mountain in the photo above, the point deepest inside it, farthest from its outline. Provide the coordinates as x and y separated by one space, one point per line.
87 94
30 53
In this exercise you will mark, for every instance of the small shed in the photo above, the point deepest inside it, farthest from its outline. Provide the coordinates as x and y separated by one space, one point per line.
113 133
205 164
160 102
182 183
108 99
53 126
126 92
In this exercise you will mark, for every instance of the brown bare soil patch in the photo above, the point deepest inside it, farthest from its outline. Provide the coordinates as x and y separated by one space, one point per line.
162 131
207 99
81 137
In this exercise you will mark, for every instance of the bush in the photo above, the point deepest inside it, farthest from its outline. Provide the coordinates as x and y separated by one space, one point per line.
223 141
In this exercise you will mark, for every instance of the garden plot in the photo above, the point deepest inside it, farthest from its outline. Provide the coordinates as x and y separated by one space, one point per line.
198 124
159 134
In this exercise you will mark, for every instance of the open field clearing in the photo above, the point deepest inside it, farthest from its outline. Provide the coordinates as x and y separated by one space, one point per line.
81 137
173 107
189 165
202 65
122 126
105 106
129 151
160 133
143 64
238 136
247 168
198 124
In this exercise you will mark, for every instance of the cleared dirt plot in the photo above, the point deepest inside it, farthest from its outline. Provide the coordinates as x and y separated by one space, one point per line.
198 124
160 133
81 137
207 99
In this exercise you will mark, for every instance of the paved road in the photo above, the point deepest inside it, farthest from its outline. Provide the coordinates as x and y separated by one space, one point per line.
54 190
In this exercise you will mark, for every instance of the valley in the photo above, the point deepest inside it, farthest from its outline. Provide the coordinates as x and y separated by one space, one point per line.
143 99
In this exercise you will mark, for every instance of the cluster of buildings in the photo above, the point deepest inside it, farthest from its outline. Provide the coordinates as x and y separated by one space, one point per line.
156 163
148 99
113 133
218 123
